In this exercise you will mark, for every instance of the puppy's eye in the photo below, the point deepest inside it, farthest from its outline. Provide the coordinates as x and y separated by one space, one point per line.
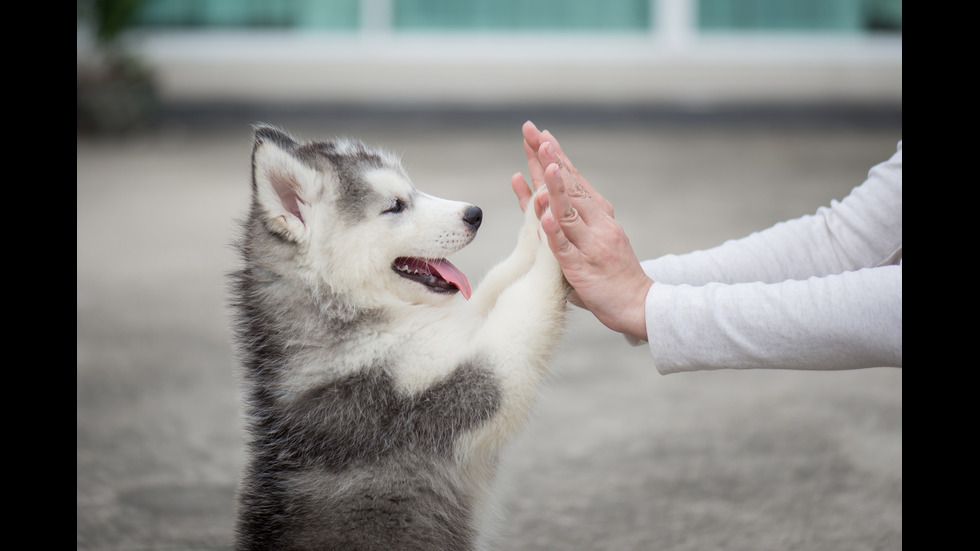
395 207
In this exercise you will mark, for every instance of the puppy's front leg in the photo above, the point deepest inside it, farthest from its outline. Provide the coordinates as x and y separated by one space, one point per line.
513 267
520 336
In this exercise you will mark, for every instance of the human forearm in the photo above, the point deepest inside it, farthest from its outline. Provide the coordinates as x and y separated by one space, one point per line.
847 321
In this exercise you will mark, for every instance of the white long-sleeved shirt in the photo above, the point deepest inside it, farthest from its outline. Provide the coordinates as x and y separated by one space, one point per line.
823 291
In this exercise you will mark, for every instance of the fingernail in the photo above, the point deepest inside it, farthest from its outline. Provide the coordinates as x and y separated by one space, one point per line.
549 152
556 171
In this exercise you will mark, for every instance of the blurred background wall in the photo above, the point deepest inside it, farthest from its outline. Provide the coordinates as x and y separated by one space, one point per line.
691 54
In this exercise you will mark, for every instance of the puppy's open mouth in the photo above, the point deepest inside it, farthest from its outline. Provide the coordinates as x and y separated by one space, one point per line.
439 275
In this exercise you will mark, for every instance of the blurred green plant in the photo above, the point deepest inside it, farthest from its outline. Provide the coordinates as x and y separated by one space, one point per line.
111 17
115 91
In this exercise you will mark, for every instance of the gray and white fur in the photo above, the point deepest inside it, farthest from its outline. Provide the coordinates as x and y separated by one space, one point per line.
376 399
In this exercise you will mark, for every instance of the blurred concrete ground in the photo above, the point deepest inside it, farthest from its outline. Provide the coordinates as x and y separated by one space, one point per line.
617 456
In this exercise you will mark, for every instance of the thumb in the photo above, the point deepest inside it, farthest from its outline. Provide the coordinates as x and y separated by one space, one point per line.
521 190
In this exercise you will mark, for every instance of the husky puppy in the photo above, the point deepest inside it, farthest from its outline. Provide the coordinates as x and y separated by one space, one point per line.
376 399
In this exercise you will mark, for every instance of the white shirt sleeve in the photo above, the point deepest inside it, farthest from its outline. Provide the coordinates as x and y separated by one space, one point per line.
823 291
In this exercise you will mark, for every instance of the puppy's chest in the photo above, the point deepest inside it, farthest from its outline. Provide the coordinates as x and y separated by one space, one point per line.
365 415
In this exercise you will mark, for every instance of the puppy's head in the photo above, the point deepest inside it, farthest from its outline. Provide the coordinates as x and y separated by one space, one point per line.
355 223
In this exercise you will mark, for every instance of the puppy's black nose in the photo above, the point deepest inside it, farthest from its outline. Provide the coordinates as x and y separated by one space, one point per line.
473 216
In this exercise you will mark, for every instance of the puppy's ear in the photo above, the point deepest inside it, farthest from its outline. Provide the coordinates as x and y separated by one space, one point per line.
283 185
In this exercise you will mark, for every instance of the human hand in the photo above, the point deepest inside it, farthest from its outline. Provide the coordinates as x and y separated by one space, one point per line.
590 245
533 138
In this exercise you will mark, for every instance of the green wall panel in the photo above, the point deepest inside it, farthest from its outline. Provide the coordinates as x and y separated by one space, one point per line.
799 15
527 15
621 15
312 14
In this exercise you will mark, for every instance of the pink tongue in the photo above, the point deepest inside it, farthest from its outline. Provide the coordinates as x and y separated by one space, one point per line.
451 273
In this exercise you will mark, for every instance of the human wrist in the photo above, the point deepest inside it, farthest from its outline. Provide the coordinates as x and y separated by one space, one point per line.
639 327
631 320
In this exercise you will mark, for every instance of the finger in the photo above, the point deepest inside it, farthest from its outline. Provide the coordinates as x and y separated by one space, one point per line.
576 188
534 166
541 201
532 141
531 135
565 210
547 136
556 155
563 249
521 190
542 137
